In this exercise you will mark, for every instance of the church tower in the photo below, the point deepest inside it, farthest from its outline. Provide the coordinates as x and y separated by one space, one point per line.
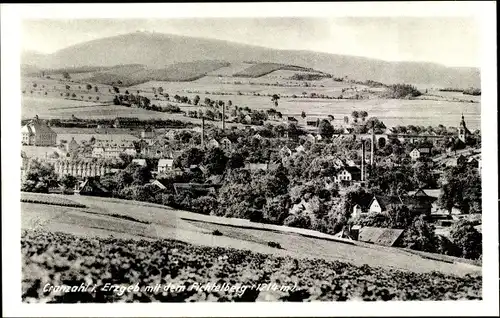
463 132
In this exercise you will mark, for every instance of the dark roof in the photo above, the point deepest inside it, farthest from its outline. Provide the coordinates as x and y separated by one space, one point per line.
352 170
385 201
379 235
364 202
292 119
93 187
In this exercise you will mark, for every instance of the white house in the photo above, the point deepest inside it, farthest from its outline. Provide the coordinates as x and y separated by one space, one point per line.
420 152
348 174
140 162
225 143
213 143
256 166
165 165
300 149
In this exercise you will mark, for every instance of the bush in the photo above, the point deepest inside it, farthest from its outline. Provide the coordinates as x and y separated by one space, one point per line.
400 91
217 233
420 236
467 239
275 245
298 220
204 205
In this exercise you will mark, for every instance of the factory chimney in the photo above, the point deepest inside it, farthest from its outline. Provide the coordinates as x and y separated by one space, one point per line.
202 130
372 150
362 160
223 117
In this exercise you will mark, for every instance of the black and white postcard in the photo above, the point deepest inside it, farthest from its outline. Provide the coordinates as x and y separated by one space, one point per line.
324 158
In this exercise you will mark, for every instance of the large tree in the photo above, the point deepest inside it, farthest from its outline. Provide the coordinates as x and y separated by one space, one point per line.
467 239
326 129
461 189
420 236
215 161
275 98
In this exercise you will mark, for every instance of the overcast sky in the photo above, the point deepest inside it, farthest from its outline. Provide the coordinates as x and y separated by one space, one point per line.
451 41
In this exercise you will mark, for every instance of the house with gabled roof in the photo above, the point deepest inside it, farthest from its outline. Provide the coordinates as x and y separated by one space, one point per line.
380 236
226 144
419 152
38 133
348 174
419 203
212 143
92 187
165 165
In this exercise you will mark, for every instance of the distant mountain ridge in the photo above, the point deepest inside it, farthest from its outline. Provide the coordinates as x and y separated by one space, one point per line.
157 50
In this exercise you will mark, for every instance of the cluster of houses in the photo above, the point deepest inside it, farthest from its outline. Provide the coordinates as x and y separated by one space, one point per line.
113 149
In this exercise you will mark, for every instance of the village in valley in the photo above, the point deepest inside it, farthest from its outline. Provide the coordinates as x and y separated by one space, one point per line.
381 167
236 164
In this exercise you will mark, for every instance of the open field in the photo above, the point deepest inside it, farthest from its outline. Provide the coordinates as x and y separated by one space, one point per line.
393 112
38 198
167 223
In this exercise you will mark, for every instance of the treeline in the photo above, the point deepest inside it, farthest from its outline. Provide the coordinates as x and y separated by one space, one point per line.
401 91
93 123
309 76
468 91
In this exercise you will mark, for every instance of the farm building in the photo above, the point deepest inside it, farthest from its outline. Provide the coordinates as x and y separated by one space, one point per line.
92 187
37 133
380 236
